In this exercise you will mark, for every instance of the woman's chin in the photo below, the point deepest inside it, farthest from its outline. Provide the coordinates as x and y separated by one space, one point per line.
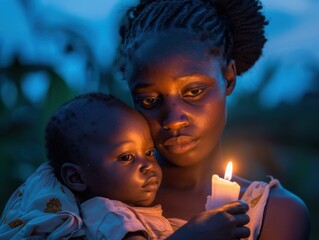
185 159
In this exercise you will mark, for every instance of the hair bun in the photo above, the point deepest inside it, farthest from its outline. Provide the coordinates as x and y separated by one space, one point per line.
247 27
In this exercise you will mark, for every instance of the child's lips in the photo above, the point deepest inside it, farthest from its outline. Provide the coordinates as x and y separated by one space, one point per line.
152 184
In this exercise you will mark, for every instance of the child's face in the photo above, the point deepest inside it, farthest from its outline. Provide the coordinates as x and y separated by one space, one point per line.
123 166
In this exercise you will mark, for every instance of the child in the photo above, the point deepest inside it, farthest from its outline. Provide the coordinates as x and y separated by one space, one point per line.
103 151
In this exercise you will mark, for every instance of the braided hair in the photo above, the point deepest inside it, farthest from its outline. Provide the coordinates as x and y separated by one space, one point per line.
236 26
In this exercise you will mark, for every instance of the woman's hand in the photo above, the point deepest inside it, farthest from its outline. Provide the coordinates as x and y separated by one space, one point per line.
225 222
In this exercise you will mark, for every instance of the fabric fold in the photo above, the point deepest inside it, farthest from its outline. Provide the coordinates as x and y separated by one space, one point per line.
40 208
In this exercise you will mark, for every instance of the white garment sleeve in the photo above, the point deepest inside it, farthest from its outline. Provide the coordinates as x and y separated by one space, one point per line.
41 208
256 196
108 219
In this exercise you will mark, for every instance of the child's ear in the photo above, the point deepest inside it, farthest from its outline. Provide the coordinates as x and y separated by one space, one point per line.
230 77
72 177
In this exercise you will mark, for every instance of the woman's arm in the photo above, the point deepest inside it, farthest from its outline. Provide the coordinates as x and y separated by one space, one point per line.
286 217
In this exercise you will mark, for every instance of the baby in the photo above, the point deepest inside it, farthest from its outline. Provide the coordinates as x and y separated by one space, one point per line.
103 152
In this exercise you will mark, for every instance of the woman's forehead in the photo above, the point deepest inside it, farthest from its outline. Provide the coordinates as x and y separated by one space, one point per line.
166 43
171 49
152 60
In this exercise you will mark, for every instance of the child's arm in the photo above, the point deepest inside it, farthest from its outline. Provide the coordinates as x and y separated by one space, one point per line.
135 236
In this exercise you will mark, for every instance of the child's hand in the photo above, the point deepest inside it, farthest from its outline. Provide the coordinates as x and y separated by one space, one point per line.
225 222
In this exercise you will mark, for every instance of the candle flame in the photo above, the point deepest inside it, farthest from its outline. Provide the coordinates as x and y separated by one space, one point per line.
229 171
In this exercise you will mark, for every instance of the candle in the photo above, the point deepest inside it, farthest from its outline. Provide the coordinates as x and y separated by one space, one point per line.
223 190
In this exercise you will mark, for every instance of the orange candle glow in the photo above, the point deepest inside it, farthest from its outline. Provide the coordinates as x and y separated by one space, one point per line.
223 190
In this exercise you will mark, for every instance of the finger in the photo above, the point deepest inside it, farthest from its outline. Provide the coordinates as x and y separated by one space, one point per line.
237 207
241 232
241 219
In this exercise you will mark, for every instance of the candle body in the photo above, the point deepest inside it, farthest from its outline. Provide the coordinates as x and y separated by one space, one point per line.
223 191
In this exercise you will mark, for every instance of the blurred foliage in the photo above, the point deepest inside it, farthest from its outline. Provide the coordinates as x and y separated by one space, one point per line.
22 126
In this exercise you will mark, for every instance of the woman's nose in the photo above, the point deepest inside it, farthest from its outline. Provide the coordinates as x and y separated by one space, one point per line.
174 116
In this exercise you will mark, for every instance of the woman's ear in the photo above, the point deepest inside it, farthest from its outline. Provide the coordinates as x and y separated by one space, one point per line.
72 177
230 77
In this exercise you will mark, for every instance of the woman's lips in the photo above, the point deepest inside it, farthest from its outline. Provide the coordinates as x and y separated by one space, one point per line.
180 145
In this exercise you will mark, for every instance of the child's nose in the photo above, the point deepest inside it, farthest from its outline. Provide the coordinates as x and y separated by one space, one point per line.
146 166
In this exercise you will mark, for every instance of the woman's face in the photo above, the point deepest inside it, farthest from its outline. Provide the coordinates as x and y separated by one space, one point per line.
180 88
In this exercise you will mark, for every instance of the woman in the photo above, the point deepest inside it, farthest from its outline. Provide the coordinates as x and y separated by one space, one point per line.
181 59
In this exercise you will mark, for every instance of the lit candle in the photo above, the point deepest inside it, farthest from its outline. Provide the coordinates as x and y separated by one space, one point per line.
223 190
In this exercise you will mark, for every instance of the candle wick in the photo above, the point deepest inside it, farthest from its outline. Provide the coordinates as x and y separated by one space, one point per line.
227 178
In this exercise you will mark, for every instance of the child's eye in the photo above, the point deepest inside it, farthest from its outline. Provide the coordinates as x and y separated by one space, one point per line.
147 102
126 157
193 92
150 153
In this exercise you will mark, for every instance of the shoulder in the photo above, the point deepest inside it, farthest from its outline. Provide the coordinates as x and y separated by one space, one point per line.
286 216
97 214
101 207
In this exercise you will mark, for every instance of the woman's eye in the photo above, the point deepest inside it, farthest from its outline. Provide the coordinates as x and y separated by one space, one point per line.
126 158
193 92
150 153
